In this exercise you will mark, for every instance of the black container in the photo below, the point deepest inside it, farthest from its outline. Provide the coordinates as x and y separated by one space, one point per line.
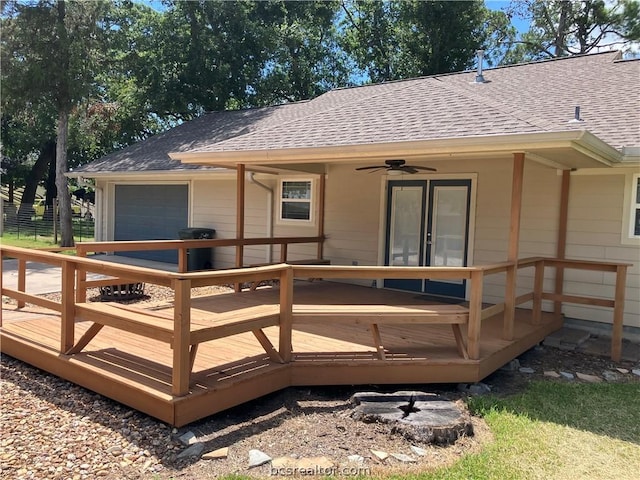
198 258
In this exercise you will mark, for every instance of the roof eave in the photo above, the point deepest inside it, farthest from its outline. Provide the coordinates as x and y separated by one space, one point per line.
580 140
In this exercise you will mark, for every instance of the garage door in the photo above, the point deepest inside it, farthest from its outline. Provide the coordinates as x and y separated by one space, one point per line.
151 212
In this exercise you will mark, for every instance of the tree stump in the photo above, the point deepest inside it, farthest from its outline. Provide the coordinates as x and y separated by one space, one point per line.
417 416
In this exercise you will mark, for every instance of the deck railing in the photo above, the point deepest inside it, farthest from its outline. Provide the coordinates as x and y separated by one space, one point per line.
182 283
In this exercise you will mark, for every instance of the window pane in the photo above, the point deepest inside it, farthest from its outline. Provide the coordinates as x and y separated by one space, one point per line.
296 210
298 190
638 191
636 225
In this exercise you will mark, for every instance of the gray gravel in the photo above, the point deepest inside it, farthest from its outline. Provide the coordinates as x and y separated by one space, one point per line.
54 429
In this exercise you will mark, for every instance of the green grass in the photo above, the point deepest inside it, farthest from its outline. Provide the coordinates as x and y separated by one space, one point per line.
556 431
12 239
39 233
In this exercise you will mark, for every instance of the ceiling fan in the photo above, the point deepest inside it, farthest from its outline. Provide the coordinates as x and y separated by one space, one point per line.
397 166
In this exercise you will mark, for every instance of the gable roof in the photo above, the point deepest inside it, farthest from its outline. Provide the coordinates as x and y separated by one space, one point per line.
531 98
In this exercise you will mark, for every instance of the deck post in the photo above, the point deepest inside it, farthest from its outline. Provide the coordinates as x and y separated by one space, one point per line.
514 239
618 313
240 187
181 371
22 280
286 313
67 315
538 283
475 315
182 260
81 277
321 206
561 246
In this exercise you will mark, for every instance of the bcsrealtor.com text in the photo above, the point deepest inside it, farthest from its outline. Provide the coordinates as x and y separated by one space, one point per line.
318 470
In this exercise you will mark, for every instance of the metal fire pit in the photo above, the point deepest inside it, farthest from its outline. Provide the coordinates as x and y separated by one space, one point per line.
126 291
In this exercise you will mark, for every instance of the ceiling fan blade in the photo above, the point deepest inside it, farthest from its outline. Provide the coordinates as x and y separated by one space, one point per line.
430 169
408 169
371 167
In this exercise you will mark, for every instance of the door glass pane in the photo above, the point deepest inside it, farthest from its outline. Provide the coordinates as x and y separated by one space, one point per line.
406 220
449 226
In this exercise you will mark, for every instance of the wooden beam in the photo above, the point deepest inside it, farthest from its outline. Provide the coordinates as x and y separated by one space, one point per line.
514 240
516 205
240 203
561 246
618 314
377 341
181 370
81 278
537 292
93 330
322 186
22 279
67 316
475 315
286 313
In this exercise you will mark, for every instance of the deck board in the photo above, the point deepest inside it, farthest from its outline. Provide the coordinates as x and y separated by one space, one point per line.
137 371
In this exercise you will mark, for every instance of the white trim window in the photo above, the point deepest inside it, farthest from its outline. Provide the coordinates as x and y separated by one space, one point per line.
634 219
296 200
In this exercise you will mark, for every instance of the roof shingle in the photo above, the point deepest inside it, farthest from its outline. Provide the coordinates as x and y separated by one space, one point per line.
526 98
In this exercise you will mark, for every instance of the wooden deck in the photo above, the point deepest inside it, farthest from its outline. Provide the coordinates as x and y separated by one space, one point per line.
196 356
137 371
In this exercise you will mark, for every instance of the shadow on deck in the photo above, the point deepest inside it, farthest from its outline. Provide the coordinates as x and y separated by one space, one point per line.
137 370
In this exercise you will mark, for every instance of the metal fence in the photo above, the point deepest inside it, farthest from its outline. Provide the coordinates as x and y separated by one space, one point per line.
41 222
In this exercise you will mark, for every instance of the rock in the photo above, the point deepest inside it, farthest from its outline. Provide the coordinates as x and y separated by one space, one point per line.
417 416
257 458
610 376
636 371
479 389
216 454
552 374
421 452
567 375
188 438
403 458
316 464
623 370
283 462
380 455
356 458
512 366
115 451
194 450
526 370
588 378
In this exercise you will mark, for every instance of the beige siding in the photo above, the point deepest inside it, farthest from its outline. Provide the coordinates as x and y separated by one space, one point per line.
214 206
354 225
352 216
596 205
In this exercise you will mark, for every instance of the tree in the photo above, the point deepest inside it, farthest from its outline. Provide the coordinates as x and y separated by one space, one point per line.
562 27
50 53
303 58
403 39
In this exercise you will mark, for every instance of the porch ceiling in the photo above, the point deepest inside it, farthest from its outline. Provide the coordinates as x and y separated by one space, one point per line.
563 150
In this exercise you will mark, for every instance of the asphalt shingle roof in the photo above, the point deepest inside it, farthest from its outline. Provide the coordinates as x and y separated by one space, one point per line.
527 98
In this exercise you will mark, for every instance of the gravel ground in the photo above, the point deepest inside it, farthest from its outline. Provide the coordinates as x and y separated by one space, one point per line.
52 429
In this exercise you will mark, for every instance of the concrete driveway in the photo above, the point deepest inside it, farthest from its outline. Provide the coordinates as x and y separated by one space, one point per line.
43 278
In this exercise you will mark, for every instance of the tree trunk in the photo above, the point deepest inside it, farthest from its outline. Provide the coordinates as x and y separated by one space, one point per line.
47 156
64 197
